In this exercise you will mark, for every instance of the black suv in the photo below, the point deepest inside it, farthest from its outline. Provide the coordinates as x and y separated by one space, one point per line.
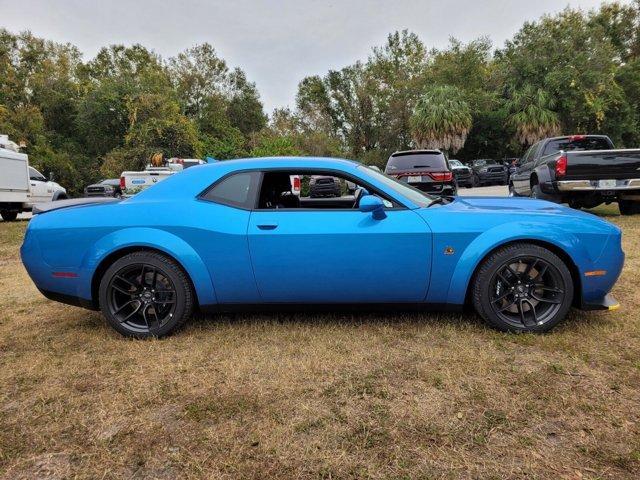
105 188
487 171
426 170
320 186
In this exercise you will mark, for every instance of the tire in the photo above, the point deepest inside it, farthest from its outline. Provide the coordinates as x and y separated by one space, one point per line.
8 216
628 207
475 182
138 286
545 282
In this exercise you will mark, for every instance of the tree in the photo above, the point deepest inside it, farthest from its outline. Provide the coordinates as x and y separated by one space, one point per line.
531 115
441 119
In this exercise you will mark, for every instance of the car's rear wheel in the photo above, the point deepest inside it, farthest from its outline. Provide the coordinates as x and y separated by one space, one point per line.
8 216
145 294
522 288
628 207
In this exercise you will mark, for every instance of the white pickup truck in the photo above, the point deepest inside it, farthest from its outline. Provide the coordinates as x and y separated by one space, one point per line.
21 186
133 182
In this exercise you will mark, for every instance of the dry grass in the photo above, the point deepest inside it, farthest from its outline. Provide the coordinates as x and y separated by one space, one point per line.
317 396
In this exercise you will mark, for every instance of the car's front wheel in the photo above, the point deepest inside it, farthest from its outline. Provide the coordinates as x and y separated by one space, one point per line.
145 294
522 288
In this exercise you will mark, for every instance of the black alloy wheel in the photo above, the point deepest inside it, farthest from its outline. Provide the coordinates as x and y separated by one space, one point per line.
523 288
145 294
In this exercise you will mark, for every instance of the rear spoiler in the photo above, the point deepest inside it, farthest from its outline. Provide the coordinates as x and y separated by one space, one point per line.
74 202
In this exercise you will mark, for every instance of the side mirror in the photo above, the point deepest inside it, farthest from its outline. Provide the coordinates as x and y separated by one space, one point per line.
371 203
51 177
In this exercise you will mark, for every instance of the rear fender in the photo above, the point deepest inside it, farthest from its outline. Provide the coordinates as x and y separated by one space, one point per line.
506 233
157 239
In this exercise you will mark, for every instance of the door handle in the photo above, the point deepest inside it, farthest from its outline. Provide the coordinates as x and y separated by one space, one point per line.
33 184
268 226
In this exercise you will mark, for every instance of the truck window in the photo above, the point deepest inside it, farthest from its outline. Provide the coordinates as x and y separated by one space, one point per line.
577 143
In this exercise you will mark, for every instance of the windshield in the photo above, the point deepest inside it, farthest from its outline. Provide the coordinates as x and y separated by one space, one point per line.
429 161
480 163
455 163
577 143
416 196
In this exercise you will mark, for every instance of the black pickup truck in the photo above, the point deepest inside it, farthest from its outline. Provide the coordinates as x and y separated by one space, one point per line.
581 170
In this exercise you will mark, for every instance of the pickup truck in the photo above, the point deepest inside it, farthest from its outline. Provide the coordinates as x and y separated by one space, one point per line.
132 182
21 186
581 170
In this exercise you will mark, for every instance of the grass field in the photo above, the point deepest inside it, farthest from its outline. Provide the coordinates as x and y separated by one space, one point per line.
317 396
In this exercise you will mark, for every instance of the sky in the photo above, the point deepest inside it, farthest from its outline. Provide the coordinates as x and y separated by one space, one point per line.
277 43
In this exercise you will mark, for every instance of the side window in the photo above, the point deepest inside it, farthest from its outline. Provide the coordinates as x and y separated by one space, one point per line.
315 190
237 190
36 175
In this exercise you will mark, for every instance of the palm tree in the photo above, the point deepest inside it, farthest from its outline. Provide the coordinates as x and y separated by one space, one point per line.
441 119
531 115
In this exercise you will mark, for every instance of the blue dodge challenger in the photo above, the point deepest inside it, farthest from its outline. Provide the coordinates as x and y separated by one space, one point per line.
243 233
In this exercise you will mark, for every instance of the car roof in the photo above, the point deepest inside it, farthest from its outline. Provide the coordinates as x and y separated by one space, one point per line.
197 179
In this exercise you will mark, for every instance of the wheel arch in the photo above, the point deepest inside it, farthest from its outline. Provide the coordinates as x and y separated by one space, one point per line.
123 242
559 251
560 241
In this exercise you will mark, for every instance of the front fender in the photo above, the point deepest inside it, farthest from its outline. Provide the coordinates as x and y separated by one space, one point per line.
157 239
500 235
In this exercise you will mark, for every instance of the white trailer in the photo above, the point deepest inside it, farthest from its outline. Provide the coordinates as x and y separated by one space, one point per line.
14 180
21 185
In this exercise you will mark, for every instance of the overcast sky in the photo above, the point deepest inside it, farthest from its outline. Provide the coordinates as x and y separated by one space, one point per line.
276 42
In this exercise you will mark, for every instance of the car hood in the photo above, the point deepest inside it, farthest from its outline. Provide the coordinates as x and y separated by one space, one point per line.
513 205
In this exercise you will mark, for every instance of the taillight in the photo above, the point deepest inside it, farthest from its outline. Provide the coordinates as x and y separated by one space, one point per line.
122 184
561 166
441 176
296 183
575 138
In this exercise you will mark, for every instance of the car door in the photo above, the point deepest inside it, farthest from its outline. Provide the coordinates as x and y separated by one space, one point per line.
339 255
521 179
41 190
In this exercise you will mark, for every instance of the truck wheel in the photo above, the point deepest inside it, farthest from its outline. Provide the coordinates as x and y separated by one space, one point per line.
145 294
536 192
476 181
8 216
522 288
628 207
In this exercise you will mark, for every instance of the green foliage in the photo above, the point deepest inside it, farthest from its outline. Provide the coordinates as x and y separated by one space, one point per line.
441 119
267 145
572 72
531 115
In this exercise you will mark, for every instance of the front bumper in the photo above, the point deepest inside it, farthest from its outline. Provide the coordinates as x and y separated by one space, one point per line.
607 303
492 176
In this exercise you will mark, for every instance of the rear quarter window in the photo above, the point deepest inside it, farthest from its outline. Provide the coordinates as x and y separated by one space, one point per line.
417 161
237 190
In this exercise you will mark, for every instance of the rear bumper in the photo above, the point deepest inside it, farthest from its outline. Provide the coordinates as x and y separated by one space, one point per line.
435 187
592 185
